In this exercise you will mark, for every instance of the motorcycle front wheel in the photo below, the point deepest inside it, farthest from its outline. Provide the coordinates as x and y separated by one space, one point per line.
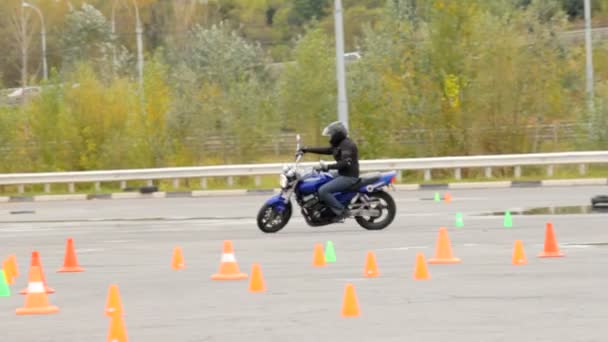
271 220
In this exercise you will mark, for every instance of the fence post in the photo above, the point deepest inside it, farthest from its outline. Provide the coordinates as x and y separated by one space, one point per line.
518 171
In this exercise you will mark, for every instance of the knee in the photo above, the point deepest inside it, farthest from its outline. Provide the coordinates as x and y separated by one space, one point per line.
323 191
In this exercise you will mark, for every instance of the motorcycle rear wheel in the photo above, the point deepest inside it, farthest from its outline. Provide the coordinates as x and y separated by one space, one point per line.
390 208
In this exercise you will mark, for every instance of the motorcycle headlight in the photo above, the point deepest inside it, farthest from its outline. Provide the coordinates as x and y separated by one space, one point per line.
283 181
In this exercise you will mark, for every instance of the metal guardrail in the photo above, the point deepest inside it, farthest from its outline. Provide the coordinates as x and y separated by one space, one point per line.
257 170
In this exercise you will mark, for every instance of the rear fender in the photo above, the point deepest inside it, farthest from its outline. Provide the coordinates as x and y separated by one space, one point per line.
386 179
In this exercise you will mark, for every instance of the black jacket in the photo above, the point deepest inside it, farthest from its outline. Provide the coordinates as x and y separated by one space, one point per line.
345 153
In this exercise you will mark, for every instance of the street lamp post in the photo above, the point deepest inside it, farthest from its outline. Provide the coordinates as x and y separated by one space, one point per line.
589 52
43 33
140 56
114 62
340 69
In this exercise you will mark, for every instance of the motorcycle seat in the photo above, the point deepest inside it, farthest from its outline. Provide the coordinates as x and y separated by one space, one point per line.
366 179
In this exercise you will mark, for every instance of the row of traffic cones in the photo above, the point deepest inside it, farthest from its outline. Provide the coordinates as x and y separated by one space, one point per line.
506 223
10 269
36 300
447 197
350 303
421 271
229 269
507 220
70 264
550 248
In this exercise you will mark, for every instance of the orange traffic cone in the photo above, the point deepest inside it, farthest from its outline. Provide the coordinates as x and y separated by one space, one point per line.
36 300
447 197
371 268
551 250
256 284
229 268
519 256
8 272
350 304
443 249
113 302
318 259
37 263
421 271
13 264
177 262
117 331
70 262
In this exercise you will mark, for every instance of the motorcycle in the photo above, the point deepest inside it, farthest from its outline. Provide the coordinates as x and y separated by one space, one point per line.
366 200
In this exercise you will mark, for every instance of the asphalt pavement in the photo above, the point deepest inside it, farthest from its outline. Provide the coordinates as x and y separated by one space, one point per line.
484 298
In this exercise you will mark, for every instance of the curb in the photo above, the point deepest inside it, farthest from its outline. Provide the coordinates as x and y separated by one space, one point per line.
269 192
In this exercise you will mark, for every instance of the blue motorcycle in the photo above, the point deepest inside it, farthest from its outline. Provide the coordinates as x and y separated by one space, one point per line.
367 201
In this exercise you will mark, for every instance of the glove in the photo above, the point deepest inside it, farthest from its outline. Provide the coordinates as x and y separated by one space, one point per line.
299 153
321 167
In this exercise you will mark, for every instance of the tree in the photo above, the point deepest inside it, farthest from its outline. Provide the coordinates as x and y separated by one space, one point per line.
221 54
218 78
88 37
305 10
307 88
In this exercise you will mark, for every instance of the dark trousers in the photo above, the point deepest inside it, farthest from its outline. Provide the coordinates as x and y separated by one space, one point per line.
338 184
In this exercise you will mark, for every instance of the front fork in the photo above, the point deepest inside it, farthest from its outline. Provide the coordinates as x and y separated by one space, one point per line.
285 197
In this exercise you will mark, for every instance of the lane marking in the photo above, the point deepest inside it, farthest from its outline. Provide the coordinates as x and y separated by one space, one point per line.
402 248
89 250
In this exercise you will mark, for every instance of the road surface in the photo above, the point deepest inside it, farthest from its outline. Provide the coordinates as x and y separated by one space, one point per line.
484 298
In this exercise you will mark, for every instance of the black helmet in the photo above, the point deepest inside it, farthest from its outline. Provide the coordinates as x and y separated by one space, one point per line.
336 131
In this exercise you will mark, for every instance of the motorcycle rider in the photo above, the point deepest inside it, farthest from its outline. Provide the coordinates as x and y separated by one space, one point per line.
346 154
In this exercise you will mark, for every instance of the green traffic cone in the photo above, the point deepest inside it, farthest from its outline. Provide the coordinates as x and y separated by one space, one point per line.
437 197
459 220
508 221
330 253
5 290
